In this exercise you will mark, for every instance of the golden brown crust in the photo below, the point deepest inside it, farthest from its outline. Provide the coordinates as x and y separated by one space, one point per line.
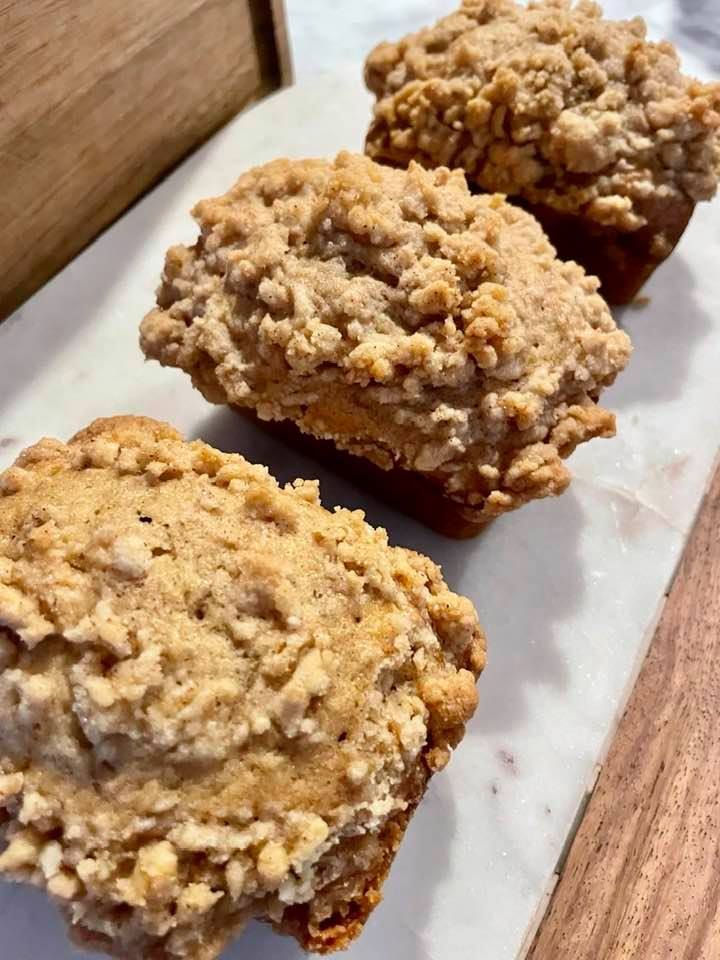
579 117
217 699
396 315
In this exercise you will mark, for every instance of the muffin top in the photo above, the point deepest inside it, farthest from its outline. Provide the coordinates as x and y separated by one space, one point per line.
210 686
550 102
395 313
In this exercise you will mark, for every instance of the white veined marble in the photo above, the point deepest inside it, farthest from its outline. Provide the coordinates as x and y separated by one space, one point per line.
567 589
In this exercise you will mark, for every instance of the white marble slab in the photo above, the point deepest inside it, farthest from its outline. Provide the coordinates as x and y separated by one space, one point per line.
567 589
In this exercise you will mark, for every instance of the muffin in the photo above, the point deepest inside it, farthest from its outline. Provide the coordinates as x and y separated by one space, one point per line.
392 315
580 120
218 700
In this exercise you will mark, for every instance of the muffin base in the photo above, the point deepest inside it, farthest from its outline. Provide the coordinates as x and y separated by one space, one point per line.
347 903
409 492
622 260
350 900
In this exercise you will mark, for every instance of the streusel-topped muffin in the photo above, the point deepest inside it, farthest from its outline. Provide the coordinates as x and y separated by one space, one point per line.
398 317
218 700
584 121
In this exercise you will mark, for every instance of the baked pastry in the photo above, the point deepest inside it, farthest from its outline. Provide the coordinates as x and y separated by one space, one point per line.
401 319
581 120
217 699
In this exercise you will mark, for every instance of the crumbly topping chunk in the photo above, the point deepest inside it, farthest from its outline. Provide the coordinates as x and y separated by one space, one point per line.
550 102
398 315
211 688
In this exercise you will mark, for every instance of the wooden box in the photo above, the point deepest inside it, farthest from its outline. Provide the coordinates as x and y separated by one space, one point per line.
99 99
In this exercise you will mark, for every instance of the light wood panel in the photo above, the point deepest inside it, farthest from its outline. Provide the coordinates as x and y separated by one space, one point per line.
642 878
98 99
282 40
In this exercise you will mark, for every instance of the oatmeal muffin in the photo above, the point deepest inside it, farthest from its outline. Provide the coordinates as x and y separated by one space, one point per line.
395 316
218 700
581 120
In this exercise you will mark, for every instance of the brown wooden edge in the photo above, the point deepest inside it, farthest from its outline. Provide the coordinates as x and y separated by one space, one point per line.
103 99
641 878
282 41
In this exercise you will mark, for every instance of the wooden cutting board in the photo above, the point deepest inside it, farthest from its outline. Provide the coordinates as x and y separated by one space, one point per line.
99 98
642 877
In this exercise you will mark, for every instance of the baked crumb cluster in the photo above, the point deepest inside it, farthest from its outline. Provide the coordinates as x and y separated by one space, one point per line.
550 102
217 699
398 315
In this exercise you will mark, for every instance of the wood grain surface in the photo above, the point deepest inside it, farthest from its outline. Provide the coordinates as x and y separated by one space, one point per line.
642 877
282 41
98 99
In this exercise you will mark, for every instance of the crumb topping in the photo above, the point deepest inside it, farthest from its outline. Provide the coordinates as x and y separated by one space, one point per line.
211 688
398 315
550 102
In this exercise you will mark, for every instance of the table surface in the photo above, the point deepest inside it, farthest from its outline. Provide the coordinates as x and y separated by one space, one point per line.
568 590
